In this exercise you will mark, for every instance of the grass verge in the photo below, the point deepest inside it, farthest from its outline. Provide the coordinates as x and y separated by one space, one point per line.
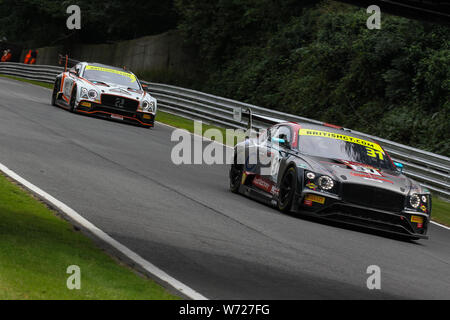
440 211
36 248
38 83
187 124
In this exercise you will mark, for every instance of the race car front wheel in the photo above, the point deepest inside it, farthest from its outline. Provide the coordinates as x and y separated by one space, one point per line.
287 190
55 91
73 98
236 172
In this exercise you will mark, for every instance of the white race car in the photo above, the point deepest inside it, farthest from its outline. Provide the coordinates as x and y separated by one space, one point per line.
104 91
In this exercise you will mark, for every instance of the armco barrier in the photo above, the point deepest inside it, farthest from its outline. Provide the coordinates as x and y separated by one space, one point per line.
431 170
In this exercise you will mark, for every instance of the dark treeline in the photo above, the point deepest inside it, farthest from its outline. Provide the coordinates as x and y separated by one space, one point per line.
36 23
321 61
312 58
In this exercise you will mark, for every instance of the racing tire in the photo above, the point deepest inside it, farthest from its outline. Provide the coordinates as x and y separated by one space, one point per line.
287 190
236 172
56 88
73 98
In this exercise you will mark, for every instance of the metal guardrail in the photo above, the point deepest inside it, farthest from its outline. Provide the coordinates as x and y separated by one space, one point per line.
33 72
431 170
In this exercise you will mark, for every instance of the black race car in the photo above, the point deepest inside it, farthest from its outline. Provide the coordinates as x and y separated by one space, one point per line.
332 173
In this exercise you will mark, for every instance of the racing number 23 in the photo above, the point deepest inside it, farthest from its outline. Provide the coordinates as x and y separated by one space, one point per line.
374 153
120 103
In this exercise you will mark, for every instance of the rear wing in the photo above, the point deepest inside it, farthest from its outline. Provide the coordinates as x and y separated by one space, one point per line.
66 61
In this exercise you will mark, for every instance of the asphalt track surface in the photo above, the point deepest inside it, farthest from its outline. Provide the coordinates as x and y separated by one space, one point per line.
184 220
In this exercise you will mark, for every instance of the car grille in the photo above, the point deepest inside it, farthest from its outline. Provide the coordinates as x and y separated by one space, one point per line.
119 102
372 197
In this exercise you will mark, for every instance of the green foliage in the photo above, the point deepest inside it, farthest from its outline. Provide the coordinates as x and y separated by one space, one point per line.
321 61
43 22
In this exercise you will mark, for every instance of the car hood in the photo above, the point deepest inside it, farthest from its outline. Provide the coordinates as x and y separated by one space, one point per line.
362 174
120 91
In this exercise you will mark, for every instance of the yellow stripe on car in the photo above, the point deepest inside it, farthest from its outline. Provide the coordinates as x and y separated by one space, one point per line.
337 136
122 73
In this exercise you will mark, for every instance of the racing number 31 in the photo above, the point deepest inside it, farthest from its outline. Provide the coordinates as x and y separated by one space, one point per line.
374 153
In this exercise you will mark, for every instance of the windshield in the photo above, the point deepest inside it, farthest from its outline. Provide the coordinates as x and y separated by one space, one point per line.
343 147
101 74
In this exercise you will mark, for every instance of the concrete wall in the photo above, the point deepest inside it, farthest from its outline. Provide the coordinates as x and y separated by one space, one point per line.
163 52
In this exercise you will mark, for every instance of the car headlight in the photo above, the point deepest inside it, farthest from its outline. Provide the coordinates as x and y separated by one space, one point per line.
325 183
414 201
310 175
93 94
84 93
148 106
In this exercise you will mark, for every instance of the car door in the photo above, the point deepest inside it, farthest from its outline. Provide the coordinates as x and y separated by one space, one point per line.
274 151
69 81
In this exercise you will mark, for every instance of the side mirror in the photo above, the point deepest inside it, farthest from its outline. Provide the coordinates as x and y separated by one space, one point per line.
278 140
281 142
145 87
399 166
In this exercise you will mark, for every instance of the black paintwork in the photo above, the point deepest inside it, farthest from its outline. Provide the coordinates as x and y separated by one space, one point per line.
379 201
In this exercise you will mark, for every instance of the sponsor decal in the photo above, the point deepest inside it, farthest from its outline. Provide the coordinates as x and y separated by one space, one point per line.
417 219
262 184
122 73
307 203
294 139
117 117
343 137
311 185
314 198
361 167
85 104
147 116
369 177
423 208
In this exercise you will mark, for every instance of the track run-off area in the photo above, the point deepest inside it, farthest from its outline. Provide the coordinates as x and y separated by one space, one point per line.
184 220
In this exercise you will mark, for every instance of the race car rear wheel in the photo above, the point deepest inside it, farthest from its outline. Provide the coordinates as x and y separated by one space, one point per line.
236 172
55 91
287 190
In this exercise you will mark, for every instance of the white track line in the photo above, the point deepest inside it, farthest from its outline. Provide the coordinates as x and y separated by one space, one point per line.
440 225
149 267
